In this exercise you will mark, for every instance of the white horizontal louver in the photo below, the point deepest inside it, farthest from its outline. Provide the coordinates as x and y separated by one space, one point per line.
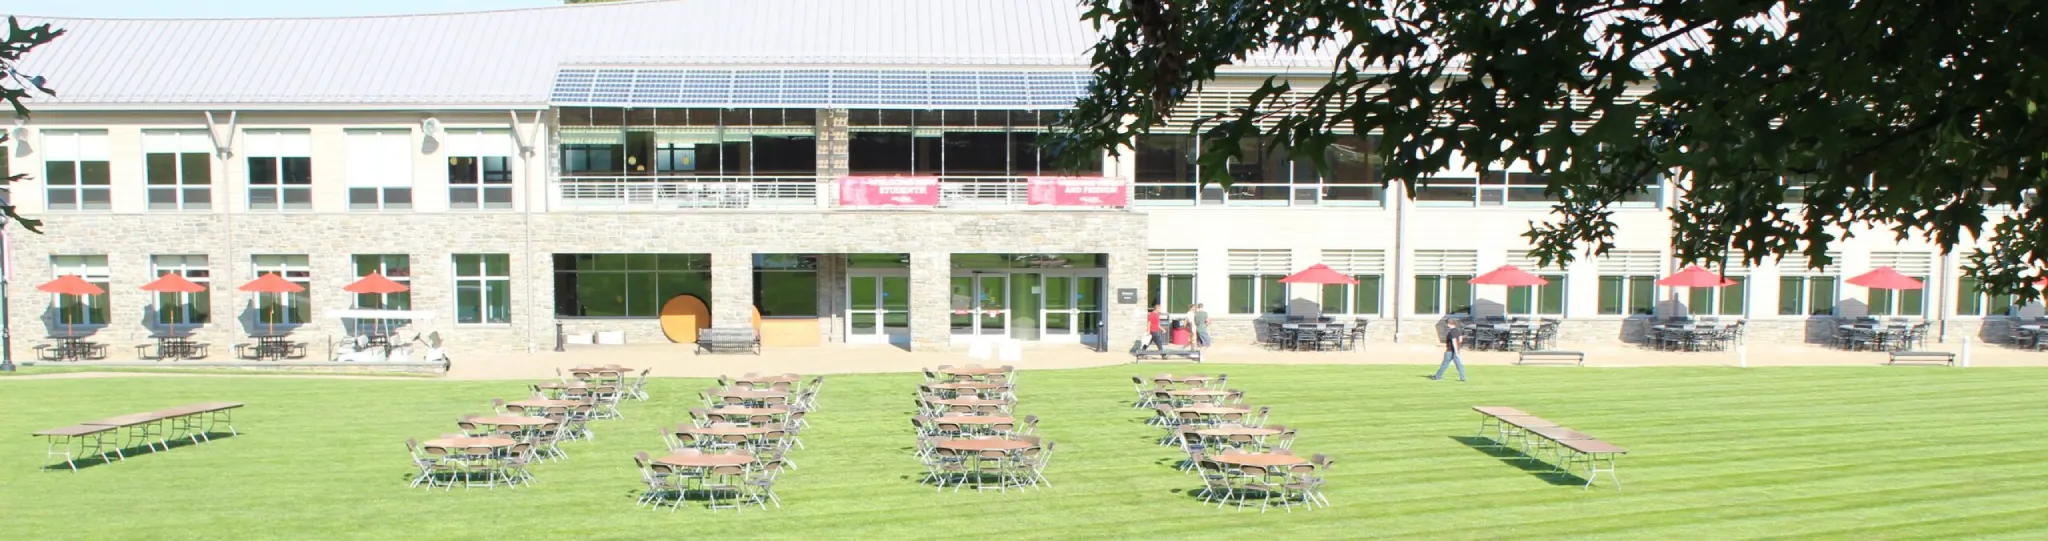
1799 264
1632 263
1171 261
1446 261
1355 262
1260 262
1522 260
1907 263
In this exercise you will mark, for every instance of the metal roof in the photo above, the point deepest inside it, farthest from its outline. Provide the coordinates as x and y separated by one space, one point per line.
509 58
820 87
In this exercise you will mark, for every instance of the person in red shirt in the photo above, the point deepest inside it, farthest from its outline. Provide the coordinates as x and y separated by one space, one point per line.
1159 337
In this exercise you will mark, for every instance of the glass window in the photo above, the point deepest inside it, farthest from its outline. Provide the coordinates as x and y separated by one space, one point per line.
1973 300
1451 192
1176 290
183 308
627 285
479 169
1360 299
75 172
379 169
1628 295
284 308
786 285
1545 300
1905 302
397 267
483 288
958 143
178 168
82 309
1800 295
1166 168
1443 294
1255 294
1729 300
280 169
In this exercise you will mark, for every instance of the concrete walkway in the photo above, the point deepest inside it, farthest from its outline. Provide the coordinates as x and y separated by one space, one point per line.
673 360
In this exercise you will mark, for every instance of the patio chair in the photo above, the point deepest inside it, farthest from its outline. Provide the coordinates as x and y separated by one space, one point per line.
1307 481
639 387
1195 450
762 483
1144 395
480 460
1253 479
1032 461
947 465
446 466
427 464
1217 484
1355 334
514 465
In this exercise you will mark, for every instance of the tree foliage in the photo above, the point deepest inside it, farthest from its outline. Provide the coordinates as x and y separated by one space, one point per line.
17 87
1910 118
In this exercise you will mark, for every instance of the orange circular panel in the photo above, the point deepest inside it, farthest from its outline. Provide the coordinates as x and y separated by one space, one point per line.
757 320
682 316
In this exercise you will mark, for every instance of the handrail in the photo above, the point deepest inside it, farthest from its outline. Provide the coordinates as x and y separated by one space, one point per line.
754 192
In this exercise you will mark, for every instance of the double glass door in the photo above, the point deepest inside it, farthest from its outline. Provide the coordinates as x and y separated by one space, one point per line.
878 307
1062 306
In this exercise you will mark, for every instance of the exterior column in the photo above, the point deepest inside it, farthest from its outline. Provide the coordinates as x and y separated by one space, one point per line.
1127 321
732 290
931 301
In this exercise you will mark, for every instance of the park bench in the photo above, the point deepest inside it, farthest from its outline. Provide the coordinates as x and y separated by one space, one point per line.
1569 448
1139 353
1942 357
728 341
1574 357
194 421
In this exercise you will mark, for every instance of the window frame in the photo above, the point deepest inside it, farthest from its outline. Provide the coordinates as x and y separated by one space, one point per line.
485 282
1981 301
1894 301
1805 291
285 169
1717 298
378 169
291 305
694 263
1293 176
1630 300
1265 289
183 187
1443 295
1352 295
187 303
1534 297
363 264
83 145
94 269
476 146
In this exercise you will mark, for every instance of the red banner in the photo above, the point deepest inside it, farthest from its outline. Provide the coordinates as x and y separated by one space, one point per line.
1079 191
888 191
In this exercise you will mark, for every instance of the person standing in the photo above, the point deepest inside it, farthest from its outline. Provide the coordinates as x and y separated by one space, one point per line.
1152 326
1453 341
1200 317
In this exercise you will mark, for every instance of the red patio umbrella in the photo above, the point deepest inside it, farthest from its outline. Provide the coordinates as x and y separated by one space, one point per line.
71 284
1695 276
375 283
1509 275
172 282
1885 278
1318 274
271 283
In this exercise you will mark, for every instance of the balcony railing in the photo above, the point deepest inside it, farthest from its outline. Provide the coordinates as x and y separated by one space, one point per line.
692 192
785 192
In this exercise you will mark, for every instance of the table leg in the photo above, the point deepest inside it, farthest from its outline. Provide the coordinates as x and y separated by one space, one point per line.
54 442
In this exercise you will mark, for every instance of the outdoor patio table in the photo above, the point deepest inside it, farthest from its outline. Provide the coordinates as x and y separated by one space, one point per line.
1213 410
71 347
1200 394
87 436
272 346
768 379
537 406
1552 435
524 422
754 394
975 445
1228 431
706 460
730 430
1269 460
972 371
493 442
974 420
175 346
972 402
741 410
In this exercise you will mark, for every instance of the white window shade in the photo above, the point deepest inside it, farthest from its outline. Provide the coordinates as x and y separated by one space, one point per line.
474 142
379 158
277 144
1446 262
1171 261
1260 262
74 145
1356 261
1632 263
176 142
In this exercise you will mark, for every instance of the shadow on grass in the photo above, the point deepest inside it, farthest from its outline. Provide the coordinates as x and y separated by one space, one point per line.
117 454
1520 460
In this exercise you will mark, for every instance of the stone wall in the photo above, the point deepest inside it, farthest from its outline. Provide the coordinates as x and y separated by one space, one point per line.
431 239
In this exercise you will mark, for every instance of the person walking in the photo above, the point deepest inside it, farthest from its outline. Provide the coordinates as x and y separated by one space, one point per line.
1200 317
1152 326
1453 341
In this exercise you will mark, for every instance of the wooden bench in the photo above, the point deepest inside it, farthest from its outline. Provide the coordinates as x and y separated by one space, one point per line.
1942 357
728 341
1574 357
1139 353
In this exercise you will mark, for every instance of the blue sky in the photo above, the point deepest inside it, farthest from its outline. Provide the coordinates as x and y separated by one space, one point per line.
151 9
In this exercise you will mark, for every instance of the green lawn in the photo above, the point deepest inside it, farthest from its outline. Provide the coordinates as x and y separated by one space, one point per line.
1850 453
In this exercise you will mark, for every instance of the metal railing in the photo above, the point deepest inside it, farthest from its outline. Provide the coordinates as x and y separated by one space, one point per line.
983 192
687 192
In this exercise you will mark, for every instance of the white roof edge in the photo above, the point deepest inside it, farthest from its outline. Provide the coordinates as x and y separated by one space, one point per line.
310 106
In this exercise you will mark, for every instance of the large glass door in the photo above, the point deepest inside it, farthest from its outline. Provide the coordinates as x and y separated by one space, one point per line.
1026 296
878 307
1072 307
981 304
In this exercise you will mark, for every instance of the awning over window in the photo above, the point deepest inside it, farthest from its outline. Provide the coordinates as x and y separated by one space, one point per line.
818 87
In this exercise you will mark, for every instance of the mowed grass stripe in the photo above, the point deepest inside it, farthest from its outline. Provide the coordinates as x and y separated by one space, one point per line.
1716 453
